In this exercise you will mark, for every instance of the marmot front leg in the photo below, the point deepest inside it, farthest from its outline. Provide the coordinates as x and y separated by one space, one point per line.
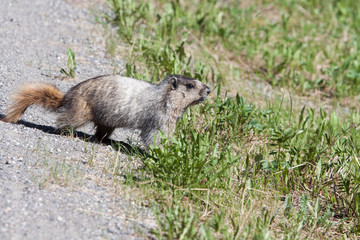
103 132
148 137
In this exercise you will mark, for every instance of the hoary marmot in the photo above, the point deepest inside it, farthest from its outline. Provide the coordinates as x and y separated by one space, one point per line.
114 101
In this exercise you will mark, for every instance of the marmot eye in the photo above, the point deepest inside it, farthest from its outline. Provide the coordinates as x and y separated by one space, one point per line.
189 86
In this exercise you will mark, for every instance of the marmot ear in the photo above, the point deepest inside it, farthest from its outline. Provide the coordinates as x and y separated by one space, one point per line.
173 83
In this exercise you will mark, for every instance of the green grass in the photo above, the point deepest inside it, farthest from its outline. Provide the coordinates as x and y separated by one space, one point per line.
71 65
304 45
236 170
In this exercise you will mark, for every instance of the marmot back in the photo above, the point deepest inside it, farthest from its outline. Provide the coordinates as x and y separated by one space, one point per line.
113 102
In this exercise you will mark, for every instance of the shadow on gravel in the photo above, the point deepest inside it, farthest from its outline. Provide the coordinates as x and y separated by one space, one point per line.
116 145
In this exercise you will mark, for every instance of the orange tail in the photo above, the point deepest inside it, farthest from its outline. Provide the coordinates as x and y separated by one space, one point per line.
45 95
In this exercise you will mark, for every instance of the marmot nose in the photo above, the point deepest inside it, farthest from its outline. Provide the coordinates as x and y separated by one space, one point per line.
208 90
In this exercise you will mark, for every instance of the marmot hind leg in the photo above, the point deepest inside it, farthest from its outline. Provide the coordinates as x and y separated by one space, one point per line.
65 121
103 132
67 125
74 114
150 137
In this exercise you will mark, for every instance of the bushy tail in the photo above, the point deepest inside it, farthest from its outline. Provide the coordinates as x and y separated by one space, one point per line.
45 95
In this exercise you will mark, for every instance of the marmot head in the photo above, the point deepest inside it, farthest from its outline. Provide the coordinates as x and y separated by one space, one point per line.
185 91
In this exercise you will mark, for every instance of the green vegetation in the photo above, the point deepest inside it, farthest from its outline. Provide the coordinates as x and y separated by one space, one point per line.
234 169
71 65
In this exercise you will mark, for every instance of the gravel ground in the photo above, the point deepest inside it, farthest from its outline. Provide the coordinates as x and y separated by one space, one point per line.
51 186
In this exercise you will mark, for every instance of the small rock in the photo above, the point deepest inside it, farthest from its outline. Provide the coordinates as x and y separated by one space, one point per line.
112 230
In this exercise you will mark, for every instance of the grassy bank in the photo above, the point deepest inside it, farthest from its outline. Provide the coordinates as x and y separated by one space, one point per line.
236 169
